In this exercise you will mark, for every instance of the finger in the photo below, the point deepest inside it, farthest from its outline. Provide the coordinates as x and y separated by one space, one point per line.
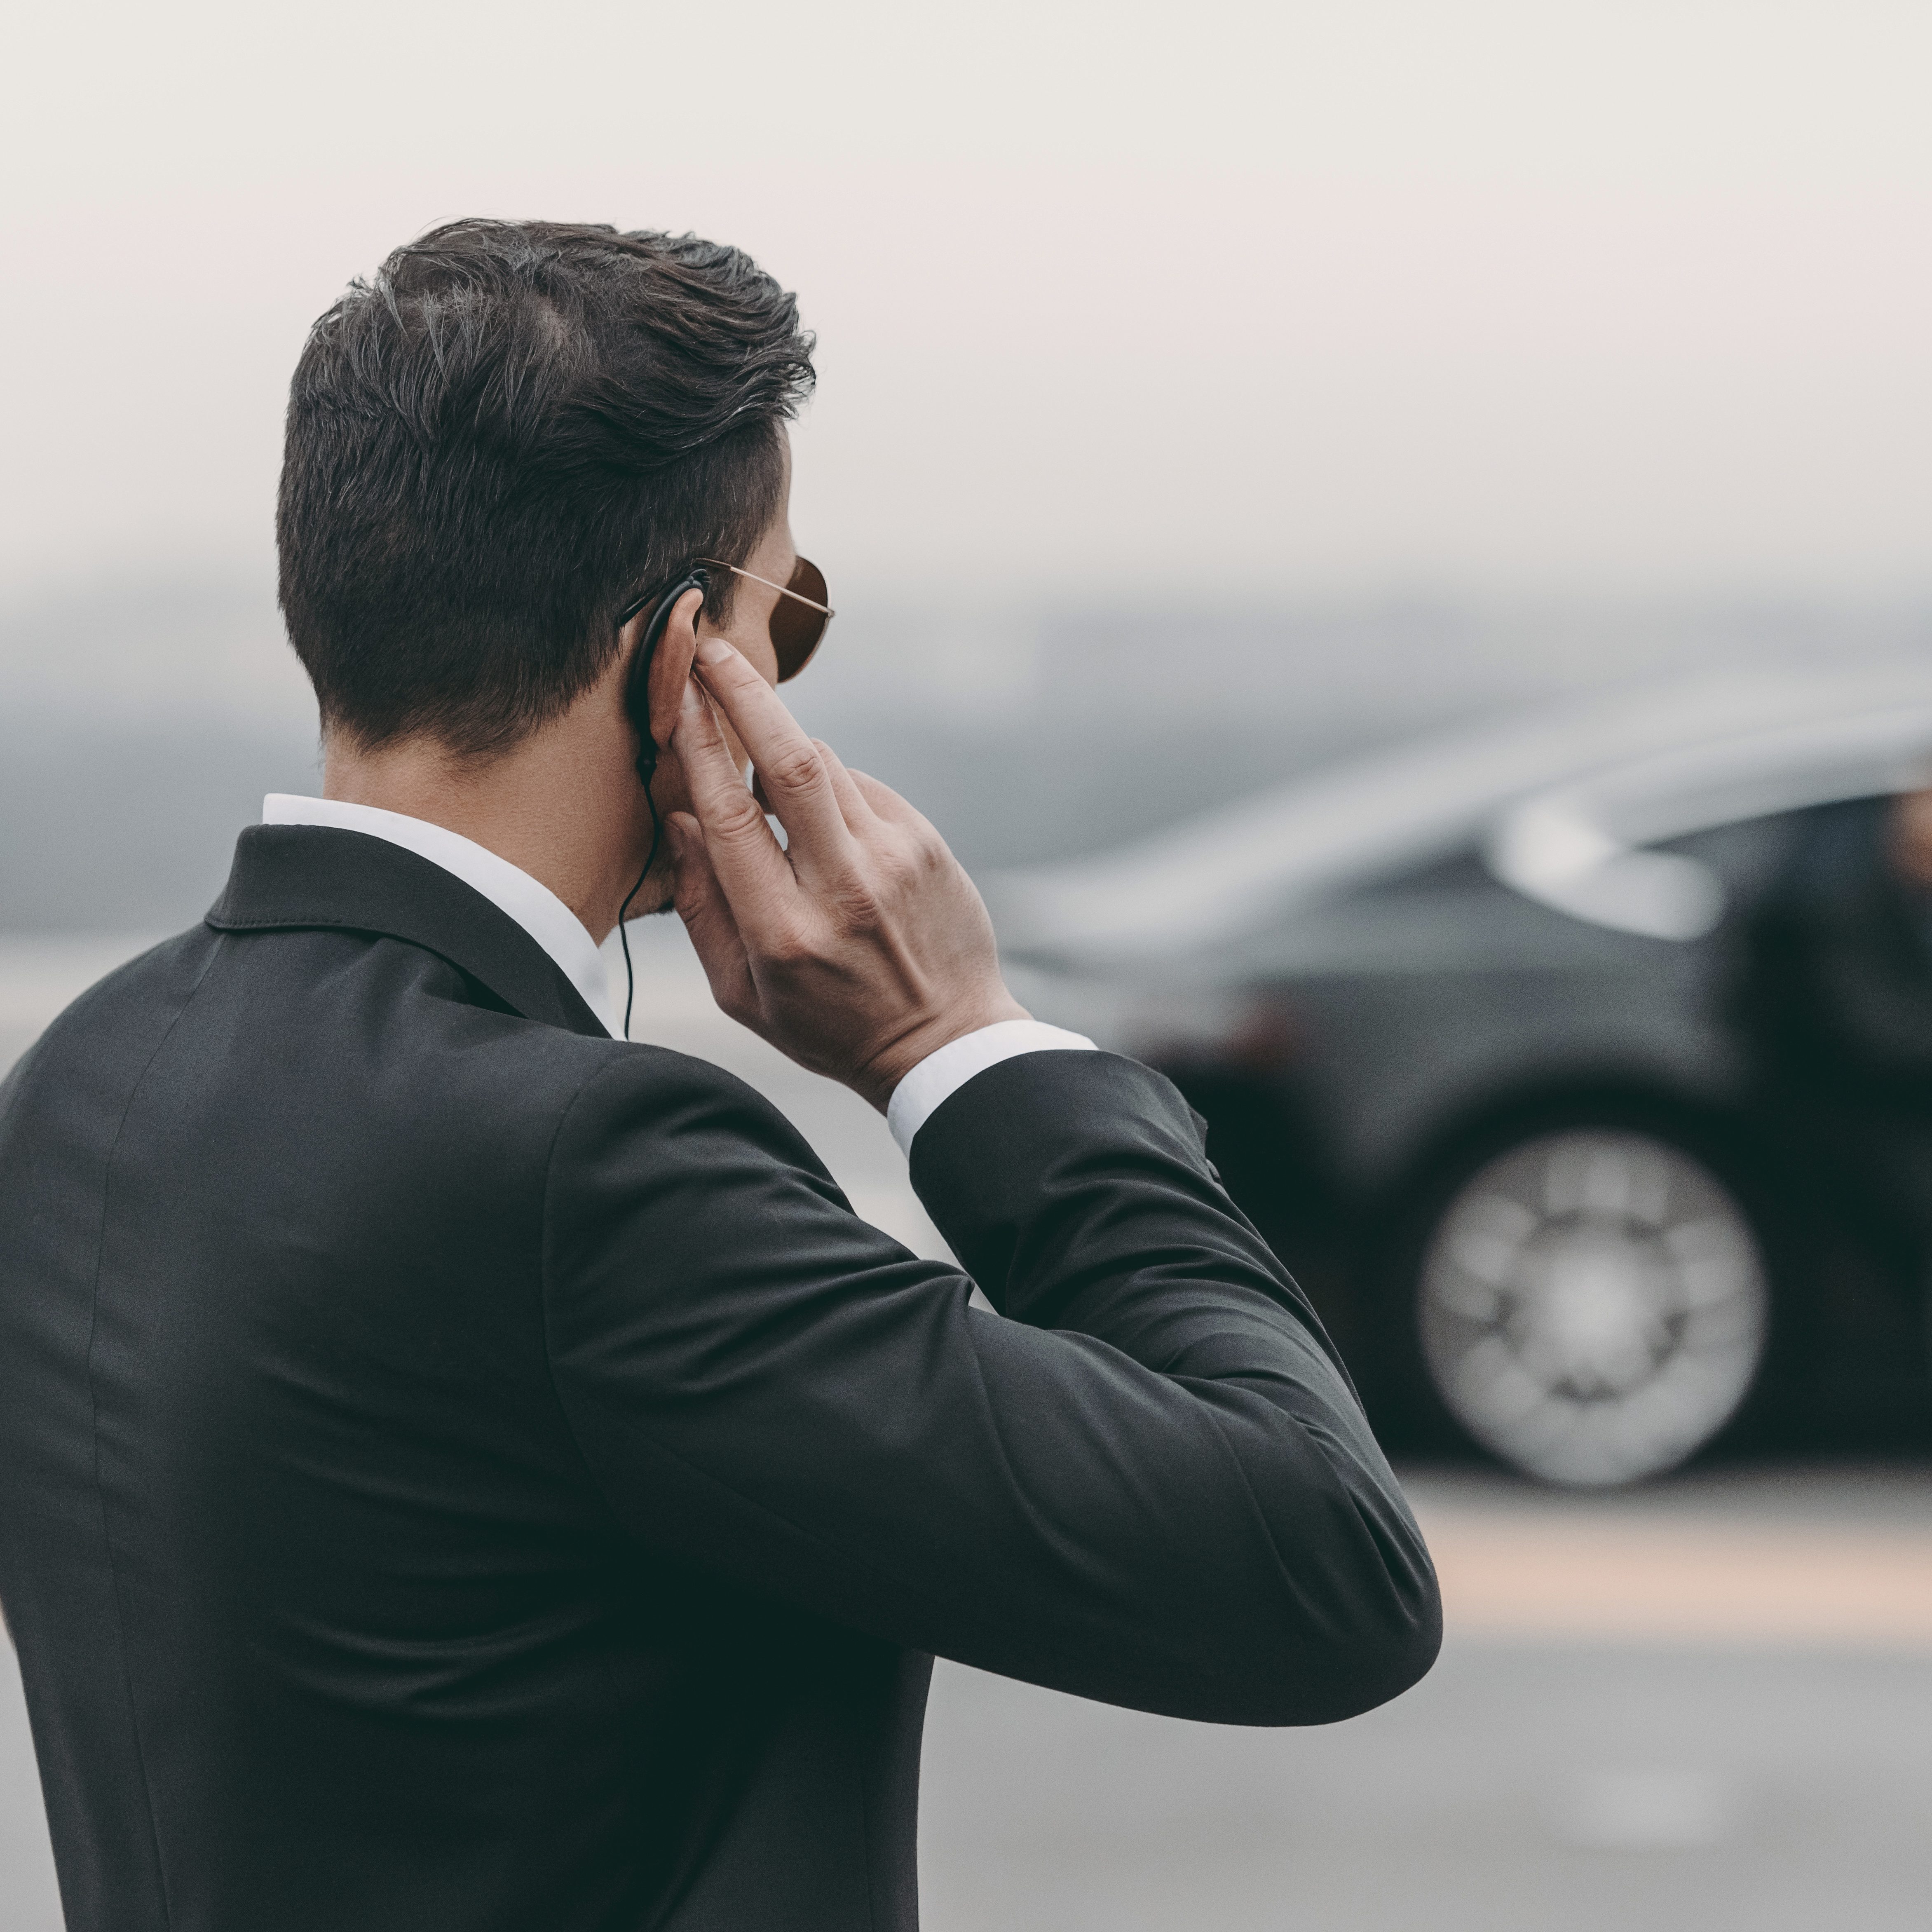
706 914
858 815
750 868
792 776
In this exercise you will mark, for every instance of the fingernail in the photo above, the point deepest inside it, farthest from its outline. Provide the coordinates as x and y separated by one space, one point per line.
713 650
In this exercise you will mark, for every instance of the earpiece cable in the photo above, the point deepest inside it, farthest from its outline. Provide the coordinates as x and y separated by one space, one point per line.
623 937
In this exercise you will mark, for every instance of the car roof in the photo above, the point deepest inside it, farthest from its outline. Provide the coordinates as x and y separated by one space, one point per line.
1558 798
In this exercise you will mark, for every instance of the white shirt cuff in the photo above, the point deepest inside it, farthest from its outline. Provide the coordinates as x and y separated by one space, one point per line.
940 1075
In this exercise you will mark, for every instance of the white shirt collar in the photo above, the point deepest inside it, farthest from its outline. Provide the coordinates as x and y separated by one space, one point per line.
509 888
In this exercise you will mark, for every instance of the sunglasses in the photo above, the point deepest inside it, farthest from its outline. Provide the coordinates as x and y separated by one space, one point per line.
798 619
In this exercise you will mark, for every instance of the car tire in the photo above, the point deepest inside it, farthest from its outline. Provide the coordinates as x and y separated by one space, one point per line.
1592 1304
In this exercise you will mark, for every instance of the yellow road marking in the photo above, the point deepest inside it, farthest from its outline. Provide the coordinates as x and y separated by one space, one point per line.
1638 1579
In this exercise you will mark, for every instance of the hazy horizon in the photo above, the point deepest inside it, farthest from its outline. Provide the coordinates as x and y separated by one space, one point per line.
145 718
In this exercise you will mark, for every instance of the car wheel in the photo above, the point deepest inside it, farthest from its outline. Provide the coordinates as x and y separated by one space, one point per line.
1592 1306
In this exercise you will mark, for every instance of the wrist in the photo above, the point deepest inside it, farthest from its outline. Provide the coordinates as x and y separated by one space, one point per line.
876 1082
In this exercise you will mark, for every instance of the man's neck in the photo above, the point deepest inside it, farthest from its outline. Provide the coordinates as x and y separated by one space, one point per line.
547 805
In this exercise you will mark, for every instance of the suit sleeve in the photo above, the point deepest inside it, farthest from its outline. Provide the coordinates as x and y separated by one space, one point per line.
1146 1479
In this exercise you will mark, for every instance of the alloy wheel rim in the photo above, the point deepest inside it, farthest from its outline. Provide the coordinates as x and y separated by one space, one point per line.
1592 1307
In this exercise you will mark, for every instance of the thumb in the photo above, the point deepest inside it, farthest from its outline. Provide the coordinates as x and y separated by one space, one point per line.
706 914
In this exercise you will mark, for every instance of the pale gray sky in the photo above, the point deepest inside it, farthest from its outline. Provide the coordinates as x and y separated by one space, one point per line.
1509 297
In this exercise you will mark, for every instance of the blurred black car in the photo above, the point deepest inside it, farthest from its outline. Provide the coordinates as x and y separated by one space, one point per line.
1581 1067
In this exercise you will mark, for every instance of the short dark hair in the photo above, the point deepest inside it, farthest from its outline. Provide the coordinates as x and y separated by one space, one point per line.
513 430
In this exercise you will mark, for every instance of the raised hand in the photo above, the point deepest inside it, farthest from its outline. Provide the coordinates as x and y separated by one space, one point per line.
858 946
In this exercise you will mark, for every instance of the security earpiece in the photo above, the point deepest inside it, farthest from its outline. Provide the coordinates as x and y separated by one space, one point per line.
637 690
637 706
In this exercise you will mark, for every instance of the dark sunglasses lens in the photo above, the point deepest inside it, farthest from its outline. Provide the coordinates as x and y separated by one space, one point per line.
796 627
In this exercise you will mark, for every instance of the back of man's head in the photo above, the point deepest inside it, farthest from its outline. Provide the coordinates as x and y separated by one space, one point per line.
511 432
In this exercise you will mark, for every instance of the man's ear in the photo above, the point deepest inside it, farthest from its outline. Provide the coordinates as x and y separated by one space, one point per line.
670 665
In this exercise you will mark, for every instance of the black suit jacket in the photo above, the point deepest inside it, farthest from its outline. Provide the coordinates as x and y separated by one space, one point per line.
1838 988
459 1471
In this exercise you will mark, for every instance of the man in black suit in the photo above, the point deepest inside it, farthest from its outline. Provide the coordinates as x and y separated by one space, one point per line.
459 1469
1835 992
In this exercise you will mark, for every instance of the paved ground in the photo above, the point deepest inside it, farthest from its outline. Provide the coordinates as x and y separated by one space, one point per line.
1551 1788
1705 1706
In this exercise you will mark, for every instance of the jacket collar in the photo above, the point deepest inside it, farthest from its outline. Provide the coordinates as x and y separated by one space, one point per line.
288 877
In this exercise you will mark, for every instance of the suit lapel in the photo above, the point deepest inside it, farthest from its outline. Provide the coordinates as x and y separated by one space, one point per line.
289 877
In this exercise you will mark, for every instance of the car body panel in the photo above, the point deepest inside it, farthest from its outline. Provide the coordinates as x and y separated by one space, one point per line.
1387 953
